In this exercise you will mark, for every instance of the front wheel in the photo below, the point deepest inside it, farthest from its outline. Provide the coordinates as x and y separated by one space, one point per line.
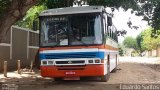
105 78
114 70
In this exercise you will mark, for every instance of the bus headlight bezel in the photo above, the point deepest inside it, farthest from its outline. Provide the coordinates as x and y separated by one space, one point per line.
44 62
50 62
47 62
97 61
90 61
94 61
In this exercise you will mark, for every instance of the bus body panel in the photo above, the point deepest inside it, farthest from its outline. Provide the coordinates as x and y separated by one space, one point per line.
80 71
88 70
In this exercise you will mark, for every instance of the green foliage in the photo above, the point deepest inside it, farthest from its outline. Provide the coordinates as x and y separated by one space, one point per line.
152 15
139 40
3 6
32 15
149 42
121 50
143 8
58 3
130 42
135 53
149 9
156 20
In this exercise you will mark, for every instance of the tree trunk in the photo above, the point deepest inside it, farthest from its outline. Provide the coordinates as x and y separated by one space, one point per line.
15 11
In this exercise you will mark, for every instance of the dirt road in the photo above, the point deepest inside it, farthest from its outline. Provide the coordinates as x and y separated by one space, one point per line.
134 70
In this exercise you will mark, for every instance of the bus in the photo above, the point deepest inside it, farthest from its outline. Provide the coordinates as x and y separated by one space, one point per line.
77 42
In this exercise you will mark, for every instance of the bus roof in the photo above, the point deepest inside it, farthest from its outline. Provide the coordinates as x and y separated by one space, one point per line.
72 10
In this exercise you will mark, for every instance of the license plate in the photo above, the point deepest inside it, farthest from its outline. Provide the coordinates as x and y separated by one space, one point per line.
70 73
71 78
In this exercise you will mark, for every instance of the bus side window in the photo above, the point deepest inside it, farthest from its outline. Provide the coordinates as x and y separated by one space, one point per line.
116 37
104 24
112 34
109 25
109 31
109 21
114 30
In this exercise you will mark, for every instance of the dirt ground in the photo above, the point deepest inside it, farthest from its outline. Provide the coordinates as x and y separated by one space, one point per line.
135 70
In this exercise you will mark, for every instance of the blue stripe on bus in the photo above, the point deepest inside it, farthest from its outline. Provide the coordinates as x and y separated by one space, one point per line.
71 55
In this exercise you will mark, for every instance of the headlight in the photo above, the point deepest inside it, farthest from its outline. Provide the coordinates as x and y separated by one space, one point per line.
50 62
44 62
90 61
97 61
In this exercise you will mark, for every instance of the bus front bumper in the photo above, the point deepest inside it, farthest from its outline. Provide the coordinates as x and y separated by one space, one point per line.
72 71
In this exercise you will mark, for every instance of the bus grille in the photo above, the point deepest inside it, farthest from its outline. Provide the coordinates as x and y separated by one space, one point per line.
70 62
77 55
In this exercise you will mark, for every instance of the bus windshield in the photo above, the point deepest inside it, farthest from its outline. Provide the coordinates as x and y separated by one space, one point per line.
78 29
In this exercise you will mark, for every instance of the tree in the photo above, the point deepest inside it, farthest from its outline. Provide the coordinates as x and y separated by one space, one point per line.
11 11
130 42
139 40
150 9
156 21
58 3
149 42
121 49
31 16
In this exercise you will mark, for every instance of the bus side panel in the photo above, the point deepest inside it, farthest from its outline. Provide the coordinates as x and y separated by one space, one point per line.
112 52
113 62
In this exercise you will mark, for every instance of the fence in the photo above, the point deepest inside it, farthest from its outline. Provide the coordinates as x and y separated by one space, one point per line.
19 44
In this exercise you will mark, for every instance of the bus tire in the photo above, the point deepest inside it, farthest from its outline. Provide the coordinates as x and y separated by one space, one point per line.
106 77
114 70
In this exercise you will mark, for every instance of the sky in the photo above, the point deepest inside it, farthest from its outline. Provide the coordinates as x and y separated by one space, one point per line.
121 18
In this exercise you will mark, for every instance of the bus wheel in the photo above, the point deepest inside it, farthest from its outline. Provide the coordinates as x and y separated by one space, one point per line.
106 77
114 70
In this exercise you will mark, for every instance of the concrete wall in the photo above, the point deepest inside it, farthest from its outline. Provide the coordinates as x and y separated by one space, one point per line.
4 55
158 51
19 44
152 53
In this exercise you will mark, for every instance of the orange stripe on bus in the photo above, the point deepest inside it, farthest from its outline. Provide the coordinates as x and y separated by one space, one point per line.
107 47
